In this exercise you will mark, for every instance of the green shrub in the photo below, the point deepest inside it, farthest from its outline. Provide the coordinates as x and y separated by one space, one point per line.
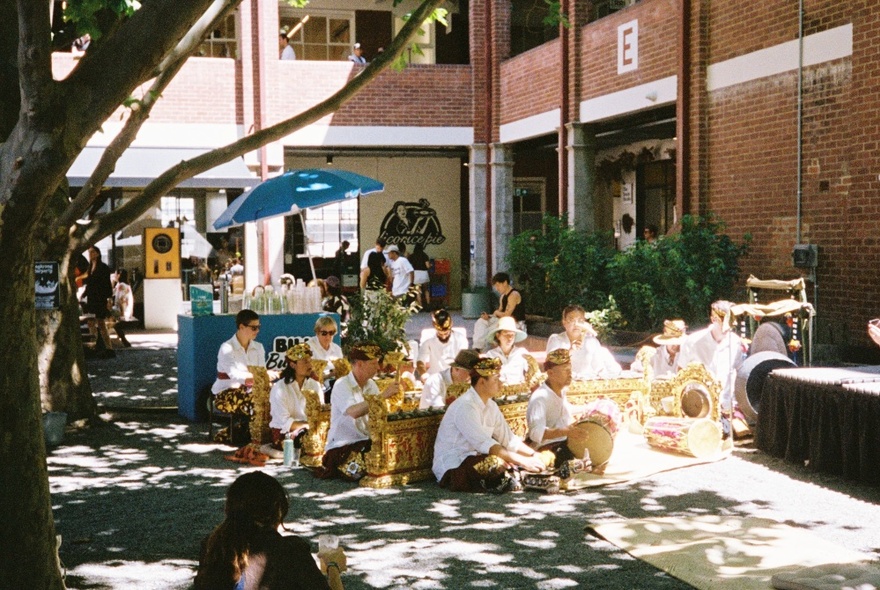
678 276
560 266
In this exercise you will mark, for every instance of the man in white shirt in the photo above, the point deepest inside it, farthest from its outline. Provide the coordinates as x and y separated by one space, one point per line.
357 54
475 448
664 363
286 51
549 415
589 359
348 438
436 353
402 272
437 384
718 348
232 387
287 404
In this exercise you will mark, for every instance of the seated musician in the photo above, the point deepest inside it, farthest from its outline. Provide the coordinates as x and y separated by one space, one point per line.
664 363
475 448
434 391
232 388
436 353
348 438
589 359
550 415
322 345
514 364
718 348
287 404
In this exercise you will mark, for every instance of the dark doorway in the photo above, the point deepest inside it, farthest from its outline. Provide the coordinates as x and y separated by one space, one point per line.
655 196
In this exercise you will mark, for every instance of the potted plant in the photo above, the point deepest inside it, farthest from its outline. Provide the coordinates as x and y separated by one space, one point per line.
378 318
474 300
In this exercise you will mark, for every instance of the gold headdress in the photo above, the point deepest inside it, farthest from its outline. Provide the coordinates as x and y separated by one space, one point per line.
298 352
486 367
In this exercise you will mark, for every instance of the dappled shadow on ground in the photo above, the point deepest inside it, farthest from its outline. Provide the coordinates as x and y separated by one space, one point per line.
133 499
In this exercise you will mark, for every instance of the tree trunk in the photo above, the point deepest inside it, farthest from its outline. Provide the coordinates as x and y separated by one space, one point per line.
64 382
28 558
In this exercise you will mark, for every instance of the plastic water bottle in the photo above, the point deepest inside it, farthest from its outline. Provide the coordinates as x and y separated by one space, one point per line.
288 452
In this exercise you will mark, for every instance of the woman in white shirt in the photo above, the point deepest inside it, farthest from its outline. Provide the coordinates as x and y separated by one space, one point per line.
287 403
514 363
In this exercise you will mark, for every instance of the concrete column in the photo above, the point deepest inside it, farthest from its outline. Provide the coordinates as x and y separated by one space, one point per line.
479 229
502 204
581 154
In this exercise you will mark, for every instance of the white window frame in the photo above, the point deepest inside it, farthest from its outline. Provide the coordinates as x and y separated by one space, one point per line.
335 51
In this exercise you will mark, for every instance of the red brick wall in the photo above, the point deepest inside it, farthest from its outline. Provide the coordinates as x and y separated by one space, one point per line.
203 92
738 28
658 48
531 83
420 95
750 131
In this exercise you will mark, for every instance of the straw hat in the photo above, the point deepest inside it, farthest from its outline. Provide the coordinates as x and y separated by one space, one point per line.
509 324
673 332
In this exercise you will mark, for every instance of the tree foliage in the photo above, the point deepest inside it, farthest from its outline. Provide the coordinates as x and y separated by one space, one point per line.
678 276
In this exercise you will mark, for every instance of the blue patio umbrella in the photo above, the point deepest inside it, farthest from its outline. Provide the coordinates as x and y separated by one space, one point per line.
295 191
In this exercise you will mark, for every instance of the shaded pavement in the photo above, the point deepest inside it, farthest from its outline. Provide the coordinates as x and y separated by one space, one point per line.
134 497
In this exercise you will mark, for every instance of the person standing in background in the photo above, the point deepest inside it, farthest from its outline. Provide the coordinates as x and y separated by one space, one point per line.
421 265
98 301
286 51
357 55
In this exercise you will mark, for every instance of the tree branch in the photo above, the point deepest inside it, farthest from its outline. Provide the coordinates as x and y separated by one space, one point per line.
121 62
137 206
169 68
34 55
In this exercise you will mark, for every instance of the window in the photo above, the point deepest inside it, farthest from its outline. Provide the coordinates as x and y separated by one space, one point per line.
319 36
223 42
328 226
528 28
528 204
177 211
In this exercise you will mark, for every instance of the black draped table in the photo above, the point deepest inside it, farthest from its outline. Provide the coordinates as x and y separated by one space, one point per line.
827 419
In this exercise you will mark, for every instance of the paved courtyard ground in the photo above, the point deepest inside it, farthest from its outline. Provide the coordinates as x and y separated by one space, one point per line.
134 497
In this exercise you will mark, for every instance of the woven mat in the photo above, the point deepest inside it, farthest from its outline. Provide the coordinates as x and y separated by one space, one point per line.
722 553
633 459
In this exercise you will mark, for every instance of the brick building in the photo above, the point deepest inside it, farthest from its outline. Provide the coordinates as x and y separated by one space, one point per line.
639 110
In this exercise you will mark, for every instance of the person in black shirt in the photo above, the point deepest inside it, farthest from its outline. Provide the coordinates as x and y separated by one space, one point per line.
246 549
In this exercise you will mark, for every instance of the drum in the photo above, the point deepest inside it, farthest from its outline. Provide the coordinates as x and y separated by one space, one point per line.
597 428
696 401
750 379
695 437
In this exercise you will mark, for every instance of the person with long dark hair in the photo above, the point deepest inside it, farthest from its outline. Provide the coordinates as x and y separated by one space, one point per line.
98 297
246 551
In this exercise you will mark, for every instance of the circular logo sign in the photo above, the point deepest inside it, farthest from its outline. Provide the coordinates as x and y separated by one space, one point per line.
162 243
